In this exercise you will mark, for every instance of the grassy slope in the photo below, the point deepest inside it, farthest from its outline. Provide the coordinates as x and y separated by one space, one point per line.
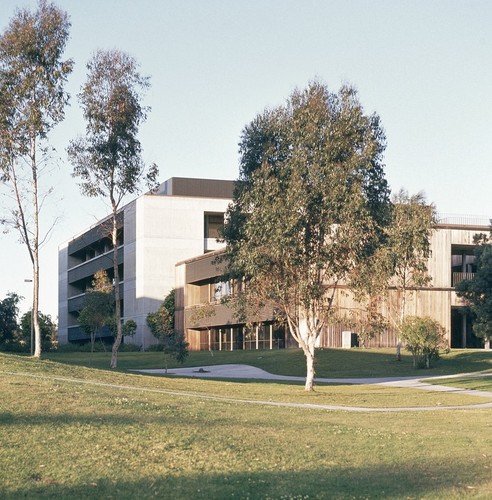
331 363
70 440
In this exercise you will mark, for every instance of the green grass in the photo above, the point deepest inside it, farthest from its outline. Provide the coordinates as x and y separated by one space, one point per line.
330 363
63 439
470 382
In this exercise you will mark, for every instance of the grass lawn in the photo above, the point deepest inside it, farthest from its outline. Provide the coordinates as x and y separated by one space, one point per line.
330 363
67 439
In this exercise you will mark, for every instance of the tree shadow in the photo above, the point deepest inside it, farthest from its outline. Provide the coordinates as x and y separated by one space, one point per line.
402 480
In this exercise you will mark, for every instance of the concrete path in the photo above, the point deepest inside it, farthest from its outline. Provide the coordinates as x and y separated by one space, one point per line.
250 372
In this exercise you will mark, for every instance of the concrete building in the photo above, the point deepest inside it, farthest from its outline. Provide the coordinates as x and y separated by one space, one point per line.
209 324
179 221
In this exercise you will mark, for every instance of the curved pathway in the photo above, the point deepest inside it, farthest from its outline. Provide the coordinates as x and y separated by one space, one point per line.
244 371
237 371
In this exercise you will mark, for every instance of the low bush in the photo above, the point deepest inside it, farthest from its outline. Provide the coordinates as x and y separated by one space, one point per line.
424 338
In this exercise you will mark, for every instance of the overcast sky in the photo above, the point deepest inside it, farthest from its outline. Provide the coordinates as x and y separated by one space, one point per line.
425 66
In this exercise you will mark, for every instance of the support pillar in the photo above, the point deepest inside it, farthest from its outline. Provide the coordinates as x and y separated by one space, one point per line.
463 331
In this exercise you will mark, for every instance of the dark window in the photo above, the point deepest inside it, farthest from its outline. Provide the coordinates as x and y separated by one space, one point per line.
213 225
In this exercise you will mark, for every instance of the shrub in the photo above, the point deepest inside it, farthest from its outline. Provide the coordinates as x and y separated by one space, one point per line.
130 348
424 338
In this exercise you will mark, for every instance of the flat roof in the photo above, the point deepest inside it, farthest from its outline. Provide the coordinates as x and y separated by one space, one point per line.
200 188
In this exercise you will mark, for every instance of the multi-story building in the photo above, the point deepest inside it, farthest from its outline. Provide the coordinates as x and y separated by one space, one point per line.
209 324
178 221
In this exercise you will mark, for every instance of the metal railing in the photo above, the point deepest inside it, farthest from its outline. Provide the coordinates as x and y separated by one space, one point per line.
464 220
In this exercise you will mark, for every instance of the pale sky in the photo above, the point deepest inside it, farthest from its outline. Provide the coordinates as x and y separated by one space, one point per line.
425 66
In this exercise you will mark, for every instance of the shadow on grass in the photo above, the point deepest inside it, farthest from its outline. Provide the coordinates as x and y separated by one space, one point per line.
124 419
405 480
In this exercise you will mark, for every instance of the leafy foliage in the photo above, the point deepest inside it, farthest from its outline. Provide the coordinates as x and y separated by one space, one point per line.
309 207
408 248
98 310
47 327
8 317
161 324
129 327
477 291
424 338
32 102
108 159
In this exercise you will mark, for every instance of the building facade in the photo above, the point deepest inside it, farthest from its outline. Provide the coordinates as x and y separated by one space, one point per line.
209 324
179 221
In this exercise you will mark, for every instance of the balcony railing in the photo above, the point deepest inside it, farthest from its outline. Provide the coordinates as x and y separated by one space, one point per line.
464 220
459 277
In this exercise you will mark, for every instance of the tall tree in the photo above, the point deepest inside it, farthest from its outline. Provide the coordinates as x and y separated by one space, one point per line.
107 160
32 102
309 207
408 248
477 291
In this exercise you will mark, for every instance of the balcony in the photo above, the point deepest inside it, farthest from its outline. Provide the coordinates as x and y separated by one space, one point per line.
459 277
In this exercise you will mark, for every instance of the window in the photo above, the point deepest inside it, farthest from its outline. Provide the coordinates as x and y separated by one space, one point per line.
214 222
221 290
463 264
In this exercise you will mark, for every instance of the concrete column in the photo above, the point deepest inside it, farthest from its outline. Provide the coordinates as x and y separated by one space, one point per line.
463 331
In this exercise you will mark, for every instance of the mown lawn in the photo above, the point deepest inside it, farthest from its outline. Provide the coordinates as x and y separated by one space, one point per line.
68 439
330 363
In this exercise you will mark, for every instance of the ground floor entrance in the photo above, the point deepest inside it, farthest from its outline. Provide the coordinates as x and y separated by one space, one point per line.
238 337
462 335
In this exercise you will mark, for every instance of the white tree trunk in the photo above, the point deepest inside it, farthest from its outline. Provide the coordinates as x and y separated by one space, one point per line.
310 373
307 341
34 245
117 305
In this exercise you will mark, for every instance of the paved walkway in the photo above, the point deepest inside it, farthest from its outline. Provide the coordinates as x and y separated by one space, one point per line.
251 372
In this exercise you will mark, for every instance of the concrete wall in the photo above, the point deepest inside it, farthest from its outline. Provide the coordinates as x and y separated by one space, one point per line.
168 229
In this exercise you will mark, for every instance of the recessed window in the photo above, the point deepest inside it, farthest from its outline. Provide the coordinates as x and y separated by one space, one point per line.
214 222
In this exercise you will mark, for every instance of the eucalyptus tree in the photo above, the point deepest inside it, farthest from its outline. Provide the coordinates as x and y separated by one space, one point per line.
108 160
408 248
32 101
309 208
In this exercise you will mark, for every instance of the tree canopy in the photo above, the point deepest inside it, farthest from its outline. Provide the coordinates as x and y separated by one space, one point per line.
47 326
8 317
309 208
98 310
